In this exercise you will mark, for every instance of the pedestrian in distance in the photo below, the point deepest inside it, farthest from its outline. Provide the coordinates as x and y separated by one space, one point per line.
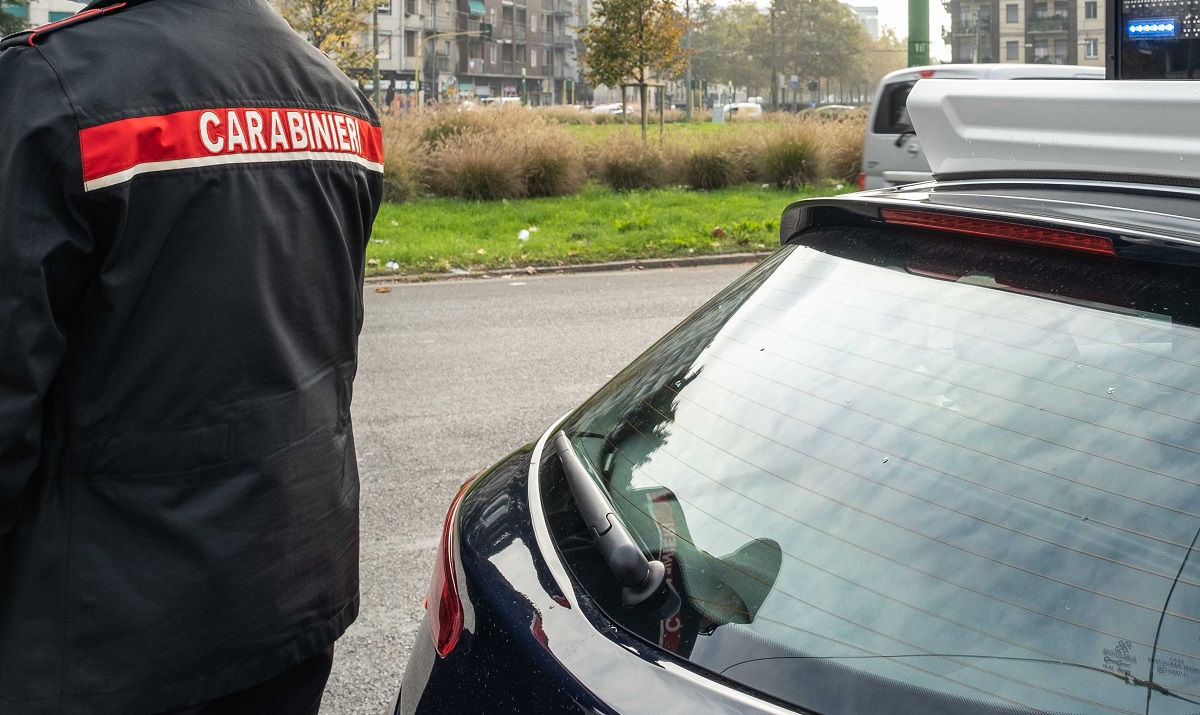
186 193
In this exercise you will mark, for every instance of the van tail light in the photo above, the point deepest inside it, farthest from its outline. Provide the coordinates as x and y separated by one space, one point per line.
443 605
1003 230
862 181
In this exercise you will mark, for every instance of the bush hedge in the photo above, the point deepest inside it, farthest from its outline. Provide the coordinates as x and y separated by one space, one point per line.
490 155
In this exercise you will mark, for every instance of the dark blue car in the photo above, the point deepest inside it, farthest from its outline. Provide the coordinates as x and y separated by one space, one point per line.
938 454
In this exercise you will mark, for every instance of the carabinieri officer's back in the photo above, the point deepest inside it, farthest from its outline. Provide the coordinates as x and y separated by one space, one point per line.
186 191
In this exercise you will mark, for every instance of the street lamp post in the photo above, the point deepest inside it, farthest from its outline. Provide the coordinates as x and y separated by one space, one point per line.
687 43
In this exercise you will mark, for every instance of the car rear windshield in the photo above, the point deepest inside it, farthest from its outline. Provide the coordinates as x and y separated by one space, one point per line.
907 472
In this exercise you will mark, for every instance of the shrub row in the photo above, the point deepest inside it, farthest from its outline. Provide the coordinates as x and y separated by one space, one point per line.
494 155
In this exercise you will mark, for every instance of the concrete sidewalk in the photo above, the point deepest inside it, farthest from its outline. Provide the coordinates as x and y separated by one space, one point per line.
636 264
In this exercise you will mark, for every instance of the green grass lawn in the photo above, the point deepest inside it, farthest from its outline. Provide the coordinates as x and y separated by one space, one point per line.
594 133
438 235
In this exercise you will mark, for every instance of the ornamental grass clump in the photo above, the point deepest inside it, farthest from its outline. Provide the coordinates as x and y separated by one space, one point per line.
626 165
565 114
711 166
553 165
791 158
403 167
477 167
439 126
841 144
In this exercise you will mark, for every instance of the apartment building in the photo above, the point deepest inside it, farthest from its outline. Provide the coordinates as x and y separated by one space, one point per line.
533 52
1030 31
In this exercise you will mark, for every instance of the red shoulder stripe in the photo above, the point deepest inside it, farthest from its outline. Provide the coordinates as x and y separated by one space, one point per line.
79 17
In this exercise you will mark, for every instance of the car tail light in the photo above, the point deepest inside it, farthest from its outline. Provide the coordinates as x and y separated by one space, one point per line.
1004 230
862 181
926 74
443 605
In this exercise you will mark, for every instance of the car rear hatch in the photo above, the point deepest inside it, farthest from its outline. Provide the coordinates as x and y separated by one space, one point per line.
937 454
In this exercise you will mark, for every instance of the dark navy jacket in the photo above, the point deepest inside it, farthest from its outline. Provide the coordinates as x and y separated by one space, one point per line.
186 192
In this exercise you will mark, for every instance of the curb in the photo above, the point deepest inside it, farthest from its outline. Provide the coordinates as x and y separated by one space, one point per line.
631 265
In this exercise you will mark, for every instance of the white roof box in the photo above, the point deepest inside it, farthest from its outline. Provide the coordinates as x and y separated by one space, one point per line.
990 127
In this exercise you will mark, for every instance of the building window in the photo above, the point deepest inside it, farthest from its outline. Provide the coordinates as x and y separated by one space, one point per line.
1041 50
385 8
1012 51
1039 9
56 16
493 54
533 57
1090 10
1011 11
20 11
1091 48
410 7
385 45
410 43
533 23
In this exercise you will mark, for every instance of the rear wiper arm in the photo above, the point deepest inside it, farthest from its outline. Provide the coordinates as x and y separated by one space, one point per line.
640 578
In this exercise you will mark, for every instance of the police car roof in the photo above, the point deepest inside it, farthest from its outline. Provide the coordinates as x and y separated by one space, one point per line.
997 128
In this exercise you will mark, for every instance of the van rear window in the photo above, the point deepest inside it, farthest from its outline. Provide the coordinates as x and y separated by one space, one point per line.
892 115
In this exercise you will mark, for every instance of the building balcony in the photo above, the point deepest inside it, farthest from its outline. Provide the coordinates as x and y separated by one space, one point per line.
972 27
472 66
560 39
1046 23
512 31
507 67
558 7
1050 60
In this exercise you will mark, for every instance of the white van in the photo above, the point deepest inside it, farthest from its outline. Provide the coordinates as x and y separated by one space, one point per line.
892 152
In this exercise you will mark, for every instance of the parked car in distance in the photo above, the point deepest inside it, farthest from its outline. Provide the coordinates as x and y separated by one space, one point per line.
500 102
616 108
937 454
892 150
735 111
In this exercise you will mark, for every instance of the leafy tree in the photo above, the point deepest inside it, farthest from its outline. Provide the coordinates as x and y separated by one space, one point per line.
886 54
333 27
634 40
10 23
739 51
819 39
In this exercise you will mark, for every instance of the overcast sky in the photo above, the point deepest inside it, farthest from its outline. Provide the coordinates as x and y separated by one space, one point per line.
895 13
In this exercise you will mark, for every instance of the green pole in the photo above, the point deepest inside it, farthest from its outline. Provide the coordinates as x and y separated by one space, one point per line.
918 32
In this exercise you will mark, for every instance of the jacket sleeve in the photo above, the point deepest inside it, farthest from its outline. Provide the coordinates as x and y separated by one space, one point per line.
45 252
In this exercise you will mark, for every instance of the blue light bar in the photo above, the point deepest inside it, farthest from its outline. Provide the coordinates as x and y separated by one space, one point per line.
1151 27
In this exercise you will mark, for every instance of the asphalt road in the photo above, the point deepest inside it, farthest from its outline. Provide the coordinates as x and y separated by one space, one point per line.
453 376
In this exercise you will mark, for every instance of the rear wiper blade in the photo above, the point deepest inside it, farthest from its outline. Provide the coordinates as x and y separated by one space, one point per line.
644 581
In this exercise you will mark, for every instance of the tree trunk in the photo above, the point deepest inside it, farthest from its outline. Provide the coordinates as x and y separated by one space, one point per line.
645 93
